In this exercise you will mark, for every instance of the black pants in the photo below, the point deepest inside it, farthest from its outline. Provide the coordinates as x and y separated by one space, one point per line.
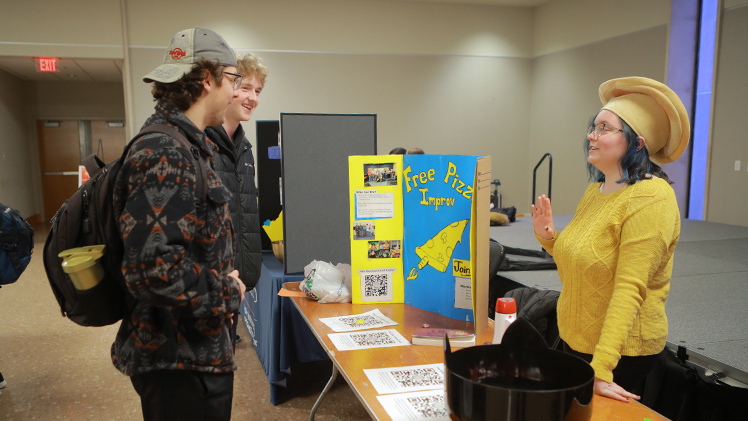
184 395
630 373
234 324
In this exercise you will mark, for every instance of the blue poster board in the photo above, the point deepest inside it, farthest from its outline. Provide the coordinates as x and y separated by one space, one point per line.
437 207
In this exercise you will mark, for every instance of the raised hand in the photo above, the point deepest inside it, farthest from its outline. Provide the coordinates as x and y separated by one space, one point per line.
542 218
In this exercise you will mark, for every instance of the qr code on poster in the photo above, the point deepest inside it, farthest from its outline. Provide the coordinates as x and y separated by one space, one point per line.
372 339
418 377
432 406
361 322
376 285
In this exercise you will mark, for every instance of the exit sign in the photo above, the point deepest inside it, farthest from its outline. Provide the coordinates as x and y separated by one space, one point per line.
47 64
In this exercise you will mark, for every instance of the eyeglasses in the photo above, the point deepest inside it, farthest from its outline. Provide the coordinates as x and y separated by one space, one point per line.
237 81
602 129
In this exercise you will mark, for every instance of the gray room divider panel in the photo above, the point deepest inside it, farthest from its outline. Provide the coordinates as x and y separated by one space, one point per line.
315 150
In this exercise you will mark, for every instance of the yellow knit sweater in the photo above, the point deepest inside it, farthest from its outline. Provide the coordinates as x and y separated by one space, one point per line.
615 259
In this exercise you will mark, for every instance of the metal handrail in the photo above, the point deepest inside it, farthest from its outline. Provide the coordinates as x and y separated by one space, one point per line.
550 175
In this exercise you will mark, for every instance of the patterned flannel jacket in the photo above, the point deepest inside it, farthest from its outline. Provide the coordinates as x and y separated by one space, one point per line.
178 252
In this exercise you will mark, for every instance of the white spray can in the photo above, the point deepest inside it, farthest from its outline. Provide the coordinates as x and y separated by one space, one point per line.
506 314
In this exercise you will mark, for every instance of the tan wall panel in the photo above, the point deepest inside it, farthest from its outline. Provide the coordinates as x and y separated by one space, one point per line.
727 188
362 26
16 176
77 28
77 100
564 24
564 97
733 3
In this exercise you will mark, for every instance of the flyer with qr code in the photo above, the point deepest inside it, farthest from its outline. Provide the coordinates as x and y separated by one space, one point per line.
352 341
406 379
430 405
369 320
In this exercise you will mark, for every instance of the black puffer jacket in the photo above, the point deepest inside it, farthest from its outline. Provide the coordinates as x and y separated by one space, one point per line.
235 164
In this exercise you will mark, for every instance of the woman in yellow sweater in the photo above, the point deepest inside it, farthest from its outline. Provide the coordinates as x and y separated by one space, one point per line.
615 257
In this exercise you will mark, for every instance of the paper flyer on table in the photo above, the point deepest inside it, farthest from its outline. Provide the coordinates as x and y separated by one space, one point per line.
362 340
406 379
369 320
430 404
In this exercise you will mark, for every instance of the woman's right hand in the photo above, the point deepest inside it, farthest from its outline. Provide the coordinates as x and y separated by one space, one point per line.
542 218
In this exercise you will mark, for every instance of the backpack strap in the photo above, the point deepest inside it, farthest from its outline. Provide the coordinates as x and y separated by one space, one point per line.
93 165
201 183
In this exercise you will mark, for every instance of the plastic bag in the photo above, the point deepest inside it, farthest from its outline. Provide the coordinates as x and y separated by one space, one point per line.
326 283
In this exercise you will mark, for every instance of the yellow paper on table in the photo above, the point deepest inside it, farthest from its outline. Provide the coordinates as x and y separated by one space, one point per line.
275 229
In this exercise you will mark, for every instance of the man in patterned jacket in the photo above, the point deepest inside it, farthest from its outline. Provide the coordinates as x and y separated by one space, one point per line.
175 343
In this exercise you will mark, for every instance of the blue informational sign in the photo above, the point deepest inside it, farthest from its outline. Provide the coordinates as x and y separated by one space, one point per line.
437 206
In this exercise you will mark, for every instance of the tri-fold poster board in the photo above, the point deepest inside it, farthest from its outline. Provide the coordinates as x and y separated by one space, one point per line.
419 227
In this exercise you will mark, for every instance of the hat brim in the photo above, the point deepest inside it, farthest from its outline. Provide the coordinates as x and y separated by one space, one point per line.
168 73
680 126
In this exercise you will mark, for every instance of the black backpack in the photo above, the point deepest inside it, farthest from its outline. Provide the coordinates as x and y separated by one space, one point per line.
505 258
16 244
87 219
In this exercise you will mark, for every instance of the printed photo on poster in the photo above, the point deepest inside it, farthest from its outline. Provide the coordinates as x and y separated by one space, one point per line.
377 175
364 230
384 249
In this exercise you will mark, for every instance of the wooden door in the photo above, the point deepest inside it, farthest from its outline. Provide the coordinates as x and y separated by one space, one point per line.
59 155
107 142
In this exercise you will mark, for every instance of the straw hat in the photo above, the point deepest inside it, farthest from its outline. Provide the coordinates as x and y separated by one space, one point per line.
653 110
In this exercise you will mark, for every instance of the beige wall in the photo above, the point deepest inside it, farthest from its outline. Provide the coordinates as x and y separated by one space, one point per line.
564 97
733 3
71 28
564 24
362 26
728 189
76 100
16 185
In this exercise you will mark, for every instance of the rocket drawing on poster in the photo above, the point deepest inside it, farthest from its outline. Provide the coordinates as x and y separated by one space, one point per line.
437 251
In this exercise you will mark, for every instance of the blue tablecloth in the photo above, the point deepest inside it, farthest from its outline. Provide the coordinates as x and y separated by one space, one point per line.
278 332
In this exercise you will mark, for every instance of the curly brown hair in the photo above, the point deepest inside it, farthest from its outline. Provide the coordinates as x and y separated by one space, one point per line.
185 91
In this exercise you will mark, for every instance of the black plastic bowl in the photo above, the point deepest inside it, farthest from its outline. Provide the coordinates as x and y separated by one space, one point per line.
519 380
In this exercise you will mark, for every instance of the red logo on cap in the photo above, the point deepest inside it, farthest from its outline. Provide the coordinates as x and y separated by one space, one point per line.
177 53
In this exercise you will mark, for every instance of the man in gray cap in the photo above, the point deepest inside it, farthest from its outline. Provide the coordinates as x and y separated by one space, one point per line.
175 340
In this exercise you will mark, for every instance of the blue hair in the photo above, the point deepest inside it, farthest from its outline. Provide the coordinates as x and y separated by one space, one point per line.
635 164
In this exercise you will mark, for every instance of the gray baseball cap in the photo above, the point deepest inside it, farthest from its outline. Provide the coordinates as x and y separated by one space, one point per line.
186 48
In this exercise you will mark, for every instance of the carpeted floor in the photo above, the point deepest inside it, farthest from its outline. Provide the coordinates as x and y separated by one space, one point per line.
57 370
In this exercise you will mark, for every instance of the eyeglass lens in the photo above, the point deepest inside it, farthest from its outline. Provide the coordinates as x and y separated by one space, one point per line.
599 129
236 80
